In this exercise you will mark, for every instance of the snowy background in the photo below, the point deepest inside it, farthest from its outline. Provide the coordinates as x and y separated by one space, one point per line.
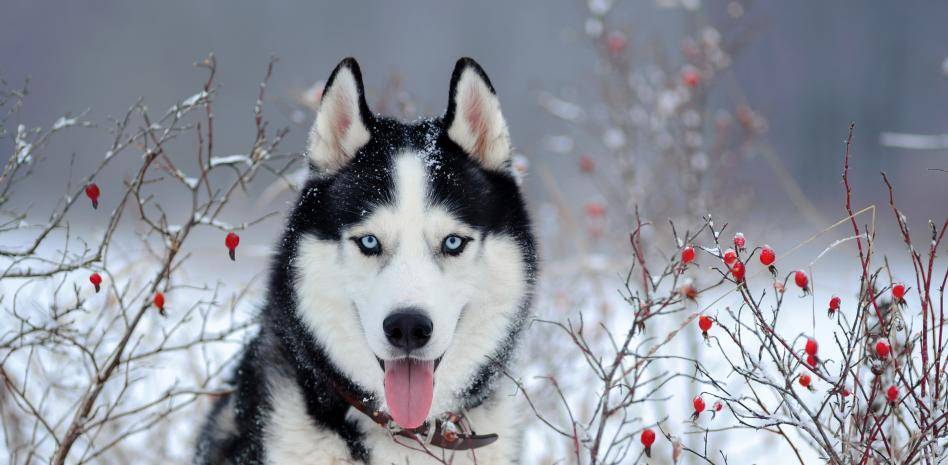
791 76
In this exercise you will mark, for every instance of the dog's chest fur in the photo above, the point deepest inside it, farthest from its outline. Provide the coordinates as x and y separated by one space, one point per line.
292 438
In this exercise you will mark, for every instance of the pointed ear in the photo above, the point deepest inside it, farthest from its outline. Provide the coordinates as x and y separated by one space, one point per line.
342 120
473 118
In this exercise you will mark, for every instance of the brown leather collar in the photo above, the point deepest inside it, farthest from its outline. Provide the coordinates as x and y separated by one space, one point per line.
450 431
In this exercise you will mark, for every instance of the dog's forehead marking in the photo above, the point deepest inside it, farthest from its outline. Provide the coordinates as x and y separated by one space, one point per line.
411 186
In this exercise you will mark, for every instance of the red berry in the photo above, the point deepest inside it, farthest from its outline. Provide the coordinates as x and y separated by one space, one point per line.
648 437
737 271
96 280
767 255
704 322
159 301
805 380
834 303
882 349
739 241
811 360
730 256
718 406
845 392
92 191
586 164
898 291
688 254
231 242
892 393
811 346
698 404
800 278
616 42
690 78
595 209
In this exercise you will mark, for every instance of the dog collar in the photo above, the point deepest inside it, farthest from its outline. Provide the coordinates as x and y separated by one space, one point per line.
448 432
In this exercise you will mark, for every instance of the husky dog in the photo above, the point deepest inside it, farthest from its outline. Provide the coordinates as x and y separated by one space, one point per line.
396 296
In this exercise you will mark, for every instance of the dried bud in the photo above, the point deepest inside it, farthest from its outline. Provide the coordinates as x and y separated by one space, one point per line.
688 291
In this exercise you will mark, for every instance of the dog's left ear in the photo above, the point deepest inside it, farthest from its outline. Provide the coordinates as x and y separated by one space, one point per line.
473 117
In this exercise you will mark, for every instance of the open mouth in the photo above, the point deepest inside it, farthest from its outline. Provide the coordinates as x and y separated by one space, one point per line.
437 362
409 389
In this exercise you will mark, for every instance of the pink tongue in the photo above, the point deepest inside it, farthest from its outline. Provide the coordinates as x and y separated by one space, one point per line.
409 387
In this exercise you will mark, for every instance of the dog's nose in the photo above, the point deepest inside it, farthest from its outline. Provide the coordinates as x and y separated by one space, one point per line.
407 329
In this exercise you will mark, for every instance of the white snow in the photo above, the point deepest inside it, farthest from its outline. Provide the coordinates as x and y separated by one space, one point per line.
23 148
229 160
63 122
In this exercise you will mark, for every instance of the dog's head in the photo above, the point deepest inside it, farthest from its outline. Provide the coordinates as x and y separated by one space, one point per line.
414 259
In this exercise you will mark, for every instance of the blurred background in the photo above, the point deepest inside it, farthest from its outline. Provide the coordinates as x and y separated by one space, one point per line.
806 71
677 107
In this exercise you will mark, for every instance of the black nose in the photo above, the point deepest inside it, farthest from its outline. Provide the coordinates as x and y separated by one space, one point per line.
407 329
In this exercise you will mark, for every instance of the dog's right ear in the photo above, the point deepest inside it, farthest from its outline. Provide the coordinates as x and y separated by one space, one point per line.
342 122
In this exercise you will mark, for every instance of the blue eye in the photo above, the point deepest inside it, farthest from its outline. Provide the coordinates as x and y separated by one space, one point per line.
453 244
368 244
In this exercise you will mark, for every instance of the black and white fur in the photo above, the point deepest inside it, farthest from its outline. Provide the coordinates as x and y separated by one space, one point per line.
410 185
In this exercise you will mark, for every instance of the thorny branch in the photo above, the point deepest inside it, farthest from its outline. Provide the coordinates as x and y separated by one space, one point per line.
71 361
849 401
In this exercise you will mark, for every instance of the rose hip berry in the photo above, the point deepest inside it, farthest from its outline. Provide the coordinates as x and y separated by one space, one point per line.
892 394
96 280
882 349
595 210
805 380
698 404
811 347
811 361
687 254
737 271
586 164
690 78
898 292
159 302
93 192
231 242
616 43
767 258
802 281
704 322
730 256
767 255
648 438
739 241
834 305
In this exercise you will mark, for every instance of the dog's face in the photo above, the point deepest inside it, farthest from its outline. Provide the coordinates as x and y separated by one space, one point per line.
414 258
